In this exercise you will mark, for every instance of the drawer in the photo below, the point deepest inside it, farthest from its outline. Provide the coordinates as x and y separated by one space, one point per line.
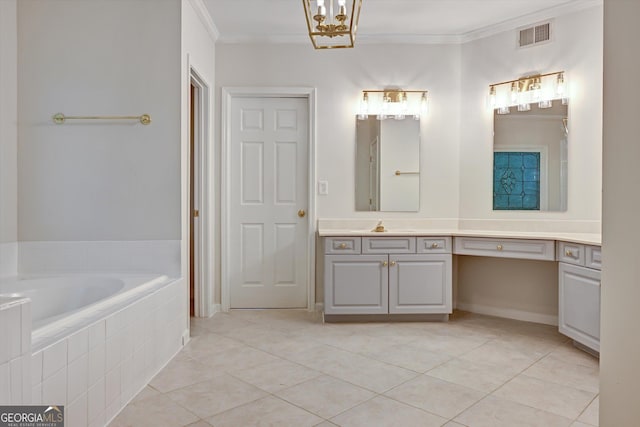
342 245
593 257
571 253
388 245
506 248
441 245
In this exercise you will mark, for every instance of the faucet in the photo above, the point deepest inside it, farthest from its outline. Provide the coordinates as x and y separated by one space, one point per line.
379 228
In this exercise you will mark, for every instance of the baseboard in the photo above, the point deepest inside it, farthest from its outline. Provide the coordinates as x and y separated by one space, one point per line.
215 308
186 337
319 307
509 313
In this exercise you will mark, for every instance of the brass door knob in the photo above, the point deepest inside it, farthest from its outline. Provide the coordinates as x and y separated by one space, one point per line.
568 252
392 263
499 247
384 263
343 246
301 213
434 246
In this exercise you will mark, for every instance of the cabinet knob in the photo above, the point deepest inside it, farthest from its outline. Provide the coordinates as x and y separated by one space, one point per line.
392 263
499 247
434 245
301 213
384 263
343 246
568 252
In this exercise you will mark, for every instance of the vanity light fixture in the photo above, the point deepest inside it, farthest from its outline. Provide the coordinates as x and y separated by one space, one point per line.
393 103
334 27
521 93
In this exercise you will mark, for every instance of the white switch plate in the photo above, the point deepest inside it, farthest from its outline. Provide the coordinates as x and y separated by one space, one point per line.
323 188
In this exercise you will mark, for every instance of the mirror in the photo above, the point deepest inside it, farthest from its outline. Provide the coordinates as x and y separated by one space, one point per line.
530 158
387 165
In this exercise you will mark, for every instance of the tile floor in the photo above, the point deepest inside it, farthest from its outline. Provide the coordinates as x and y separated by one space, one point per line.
286 368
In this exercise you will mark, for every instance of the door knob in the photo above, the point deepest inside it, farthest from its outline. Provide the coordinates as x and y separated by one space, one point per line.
301 213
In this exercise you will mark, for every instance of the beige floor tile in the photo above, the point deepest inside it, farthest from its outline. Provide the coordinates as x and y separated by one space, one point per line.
381 411
453 424
478 376
451 345
366 343
201 423
205 345
436 396
267 412
555 370
368 373
326 424
156 411
409 357
557 399
325 396
145 393
180 373
214 396
495 412
511 360
222 323
276 376
242 357
579 424
592 413
570 354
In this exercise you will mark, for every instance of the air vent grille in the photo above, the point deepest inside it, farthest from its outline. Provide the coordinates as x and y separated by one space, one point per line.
539 33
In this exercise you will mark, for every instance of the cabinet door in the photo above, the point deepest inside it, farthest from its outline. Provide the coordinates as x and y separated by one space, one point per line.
420 283
356 284
579 299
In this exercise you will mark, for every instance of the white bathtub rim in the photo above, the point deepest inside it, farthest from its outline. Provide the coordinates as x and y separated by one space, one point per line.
67 325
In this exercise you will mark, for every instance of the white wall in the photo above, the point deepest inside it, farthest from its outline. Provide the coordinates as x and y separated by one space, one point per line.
620 342
8 137
340 76
577 49
99 181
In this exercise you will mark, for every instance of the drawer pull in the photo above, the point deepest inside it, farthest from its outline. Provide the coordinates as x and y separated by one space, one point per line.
568 252
392 263
343 246
499 247
434 246
384 263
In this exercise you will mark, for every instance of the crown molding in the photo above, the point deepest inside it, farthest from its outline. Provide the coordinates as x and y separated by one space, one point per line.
530 18
205 17
480 33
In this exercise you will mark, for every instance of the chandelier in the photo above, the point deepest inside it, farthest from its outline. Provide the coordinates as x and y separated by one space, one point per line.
333 25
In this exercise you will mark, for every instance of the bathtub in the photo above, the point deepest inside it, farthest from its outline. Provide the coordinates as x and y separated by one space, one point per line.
61 305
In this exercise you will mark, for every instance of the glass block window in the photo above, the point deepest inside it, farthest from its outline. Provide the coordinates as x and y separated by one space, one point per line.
516 180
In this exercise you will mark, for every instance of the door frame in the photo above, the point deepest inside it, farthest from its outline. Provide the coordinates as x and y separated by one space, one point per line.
202 232
228 94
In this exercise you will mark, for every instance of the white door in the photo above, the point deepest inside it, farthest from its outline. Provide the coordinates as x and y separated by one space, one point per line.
268 223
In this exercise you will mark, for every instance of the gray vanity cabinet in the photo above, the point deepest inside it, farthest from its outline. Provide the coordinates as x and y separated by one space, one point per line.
579 296
388 277
420 283
356 284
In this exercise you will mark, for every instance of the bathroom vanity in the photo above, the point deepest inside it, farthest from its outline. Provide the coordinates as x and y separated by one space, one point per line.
409 272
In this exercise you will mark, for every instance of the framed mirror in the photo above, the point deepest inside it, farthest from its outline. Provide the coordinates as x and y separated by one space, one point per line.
530 158
387 165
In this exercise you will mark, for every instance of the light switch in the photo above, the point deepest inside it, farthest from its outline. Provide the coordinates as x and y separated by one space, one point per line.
323 188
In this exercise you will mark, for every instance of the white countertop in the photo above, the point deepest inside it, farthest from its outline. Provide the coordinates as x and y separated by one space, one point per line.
355 228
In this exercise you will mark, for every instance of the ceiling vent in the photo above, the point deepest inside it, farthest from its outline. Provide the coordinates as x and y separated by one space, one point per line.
533 35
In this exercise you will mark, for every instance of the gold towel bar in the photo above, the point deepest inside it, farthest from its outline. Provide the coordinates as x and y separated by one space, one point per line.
60 118
407 173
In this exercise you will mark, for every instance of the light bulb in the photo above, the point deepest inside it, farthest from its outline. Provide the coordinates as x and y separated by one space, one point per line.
342 3
524 107
424 106
545 104
514 92
492 97
560 85
503 110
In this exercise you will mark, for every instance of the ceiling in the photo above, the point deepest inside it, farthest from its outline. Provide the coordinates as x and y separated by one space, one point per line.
403 21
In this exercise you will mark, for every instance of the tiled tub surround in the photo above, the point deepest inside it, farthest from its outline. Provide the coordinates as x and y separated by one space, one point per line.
95 359
98 368
15 351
